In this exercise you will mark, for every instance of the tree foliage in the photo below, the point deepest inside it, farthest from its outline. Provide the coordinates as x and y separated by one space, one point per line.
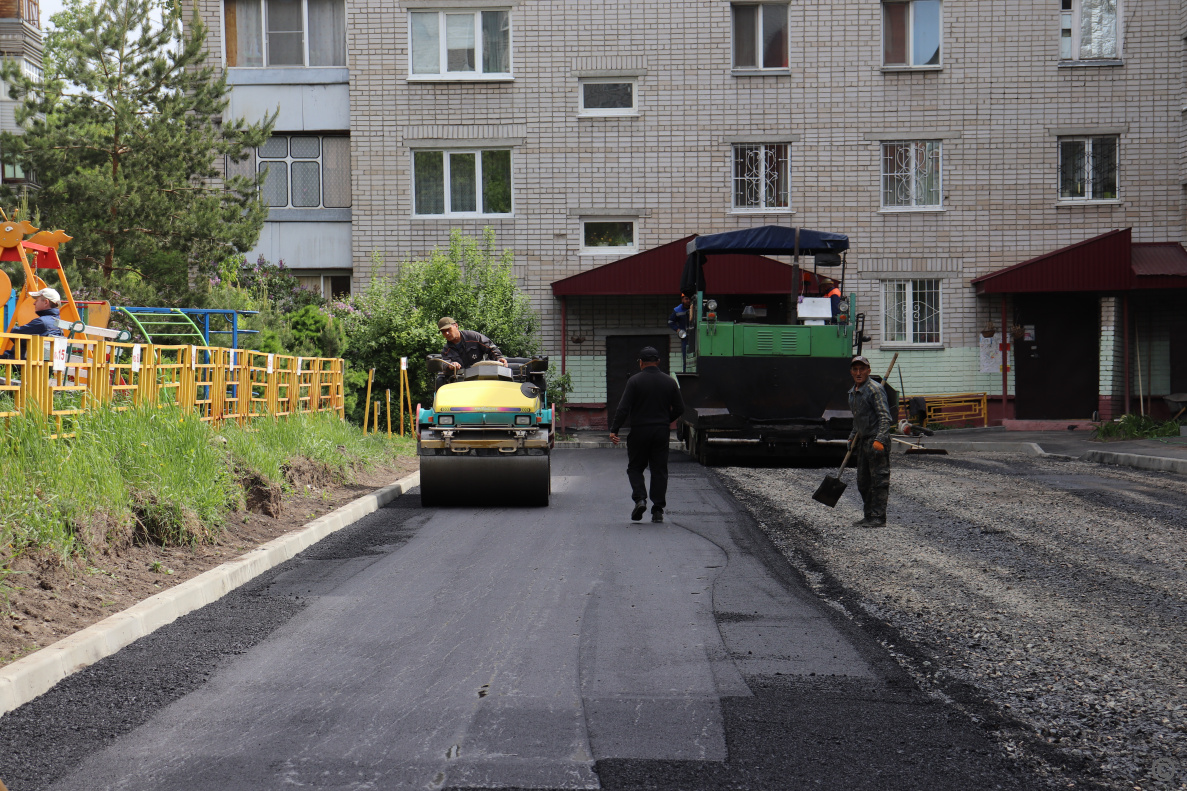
396 316
125 134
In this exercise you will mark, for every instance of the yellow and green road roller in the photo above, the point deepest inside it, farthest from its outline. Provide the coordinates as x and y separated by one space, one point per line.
488 436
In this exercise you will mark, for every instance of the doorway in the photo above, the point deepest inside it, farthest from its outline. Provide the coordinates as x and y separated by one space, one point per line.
1057 362
622 355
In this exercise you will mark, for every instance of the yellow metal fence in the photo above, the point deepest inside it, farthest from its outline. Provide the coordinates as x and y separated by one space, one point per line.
61 377
951 409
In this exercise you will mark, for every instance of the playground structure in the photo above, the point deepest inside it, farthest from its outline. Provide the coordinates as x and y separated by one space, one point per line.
93 364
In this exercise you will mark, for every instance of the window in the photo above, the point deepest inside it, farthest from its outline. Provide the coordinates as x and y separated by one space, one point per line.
911 311
285 32
911 33
607 97
760 176
911 174
1088 168
461 44
1088 30
461 182
301 171
608 236
760 36
330 285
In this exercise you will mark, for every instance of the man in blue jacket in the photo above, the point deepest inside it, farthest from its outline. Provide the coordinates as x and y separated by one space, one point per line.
678 322
48 303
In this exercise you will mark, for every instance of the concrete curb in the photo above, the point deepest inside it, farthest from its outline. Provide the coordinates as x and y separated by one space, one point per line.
1027 448
1137 461
27 678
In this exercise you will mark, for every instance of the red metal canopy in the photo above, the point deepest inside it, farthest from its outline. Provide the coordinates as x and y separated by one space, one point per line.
657 271
1109 262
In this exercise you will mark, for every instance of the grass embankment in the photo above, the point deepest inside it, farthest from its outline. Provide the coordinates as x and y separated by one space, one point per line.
1136 427
158 475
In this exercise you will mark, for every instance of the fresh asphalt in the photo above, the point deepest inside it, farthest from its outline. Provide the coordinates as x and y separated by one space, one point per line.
560 647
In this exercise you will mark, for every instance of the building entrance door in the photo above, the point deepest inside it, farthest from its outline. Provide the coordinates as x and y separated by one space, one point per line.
1057 362
622 355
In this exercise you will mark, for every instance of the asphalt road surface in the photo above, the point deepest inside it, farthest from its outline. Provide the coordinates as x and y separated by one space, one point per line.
563 647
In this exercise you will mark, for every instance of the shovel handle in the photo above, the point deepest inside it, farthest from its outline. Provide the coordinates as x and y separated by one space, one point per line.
844 461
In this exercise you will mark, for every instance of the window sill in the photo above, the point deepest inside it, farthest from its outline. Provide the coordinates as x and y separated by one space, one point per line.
785 72
900 69
460 78
1090 64
1071 204
453 217
912 210
901 346
308 215
761 211
287 75
584 114
608 250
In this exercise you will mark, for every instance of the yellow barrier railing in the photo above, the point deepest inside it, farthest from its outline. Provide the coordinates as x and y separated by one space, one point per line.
951 408
61 377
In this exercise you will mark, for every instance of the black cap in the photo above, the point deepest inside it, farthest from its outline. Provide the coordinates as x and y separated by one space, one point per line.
649 354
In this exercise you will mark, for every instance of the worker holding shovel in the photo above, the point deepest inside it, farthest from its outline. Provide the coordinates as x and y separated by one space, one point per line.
870 441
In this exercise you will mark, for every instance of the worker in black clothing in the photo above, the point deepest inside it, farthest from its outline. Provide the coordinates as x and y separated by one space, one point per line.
652 401
465 347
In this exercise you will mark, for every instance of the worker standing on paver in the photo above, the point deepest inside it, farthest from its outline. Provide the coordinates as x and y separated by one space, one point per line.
870 440
652 401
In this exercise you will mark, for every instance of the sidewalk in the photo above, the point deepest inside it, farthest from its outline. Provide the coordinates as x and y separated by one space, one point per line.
1168 454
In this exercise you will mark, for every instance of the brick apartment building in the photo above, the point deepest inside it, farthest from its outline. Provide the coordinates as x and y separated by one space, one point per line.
20 41
950 139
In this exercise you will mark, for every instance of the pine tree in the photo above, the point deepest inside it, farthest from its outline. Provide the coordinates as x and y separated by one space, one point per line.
126 134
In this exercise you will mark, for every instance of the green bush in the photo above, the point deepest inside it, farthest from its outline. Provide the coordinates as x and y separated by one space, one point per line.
1136 427
396 316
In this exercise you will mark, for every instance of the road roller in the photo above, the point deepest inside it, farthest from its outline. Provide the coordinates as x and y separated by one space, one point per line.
487 439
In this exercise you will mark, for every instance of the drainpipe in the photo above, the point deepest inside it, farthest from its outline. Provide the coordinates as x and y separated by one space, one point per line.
1005 347
564 348
1125 321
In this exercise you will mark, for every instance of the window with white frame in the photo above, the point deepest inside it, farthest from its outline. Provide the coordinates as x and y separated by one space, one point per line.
911 174
474 182
607 97
761 176
609 235
911 32
911 311
461 44
273 33
760 35
1088 30
1088 168
300 171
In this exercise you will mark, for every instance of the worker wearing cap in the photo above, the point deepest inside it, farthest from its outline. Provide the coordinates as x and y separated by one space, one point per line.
463 348
652 401
48 303
870 440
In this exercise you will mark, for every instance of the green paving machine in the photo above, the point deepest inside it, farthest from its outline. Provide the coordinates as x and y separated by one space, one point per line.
768 386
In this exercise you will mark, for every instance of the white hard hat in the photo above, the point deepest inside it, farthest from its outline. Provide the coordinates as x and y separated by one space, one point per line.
49 293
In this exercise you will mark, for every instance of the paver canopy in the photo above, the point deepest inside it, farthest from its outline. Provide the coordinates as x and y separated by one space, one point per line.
765 240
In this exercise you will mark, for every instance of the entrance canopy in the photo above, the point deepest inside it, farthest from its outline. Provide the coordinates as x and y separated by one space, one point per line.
766 240
1109 262
658 271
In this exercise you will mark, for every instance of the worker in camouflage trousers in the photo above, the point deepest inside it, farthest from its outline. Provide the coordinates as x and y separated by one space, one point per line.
870 440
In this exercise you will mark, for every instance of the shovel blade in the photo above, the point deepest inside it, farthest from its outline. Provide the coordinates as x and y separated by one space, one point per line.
830 491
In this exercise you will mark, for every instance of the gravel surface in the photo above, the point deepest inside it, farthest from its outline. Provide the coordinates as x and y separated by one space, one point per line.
1046 597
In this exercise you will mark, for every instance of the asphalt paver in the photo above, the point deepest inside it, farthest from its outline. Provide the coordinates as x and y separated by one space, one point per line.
561 647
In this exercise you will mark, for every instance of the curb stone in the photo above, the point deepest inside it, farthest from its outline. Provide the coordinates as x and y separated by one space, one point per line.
1137 460
25 679
587 444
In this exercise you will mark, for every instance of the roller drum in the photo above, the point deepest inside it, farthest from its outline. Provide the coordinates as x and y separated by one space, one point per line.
485 480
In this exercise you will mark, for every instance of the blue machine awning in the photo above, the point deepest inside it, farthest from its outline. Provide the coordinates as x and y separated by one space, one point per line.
765 240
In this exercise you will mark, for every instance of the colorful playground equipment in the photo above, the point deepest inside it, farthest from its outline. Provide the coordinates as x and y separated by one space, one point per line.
96 364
